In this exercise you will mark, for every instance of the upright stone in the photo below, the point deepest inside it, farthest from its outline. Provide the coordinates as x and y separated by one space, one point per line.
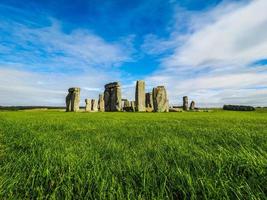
101 103
140 96
127 106
160 100
123 103
149 102
73 100
94 106
185 103
112 97
132 103
192 105
167 106
88 105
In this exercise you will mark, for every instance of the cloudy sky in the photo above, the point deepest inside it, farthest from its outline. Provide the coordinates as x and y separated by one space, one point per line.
214 51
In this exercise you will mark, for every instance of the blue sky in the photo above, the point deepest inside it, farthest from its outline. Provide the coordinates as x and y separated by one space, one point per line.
211 50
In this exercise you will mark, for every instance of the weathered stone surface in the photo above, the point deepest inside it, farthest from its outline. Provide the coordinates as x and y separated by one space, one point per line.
175 109
167 105
127 106
149 102
73 100
94 105
238 108
185 103
149 109
192 105
160 99
88 105
132 105
101 103
123 103
140 98
112 97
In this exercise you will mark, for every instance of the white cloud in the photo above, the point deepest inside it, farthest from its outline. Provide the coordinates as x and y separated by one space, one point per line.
22 88
228 37
215 89
39 63
210 63
25 88
228 81
50 48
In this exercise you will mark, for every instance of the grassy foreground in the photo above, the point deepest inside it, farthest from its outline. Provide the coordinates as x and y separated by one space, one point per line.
58 155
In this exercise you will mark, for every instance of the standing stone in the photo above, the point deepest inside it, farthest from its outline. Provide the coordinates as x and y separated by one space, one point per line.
94 106
132 103
128 106
140 96
167 106
149 102
101 103
160 100
73 100
192 105
112 97
123 103
87 105
185 103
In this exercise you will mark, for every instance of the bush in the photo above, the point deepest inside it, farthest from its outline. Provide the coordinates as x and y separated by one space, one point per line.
238 108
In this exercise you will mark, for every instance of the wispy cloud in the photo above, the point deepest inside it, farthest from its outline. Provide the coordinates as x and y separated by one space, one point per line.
235 37
34 88
213 58
38 62
230 33
50 48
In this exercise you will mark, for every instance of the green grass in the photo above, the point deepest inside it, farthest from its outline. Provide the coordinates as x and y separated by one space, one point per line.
58 155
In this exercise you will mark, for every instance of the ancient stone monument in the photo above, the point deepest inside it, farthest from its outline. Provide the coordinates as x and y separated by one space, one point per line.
112 97
160 100
73 100
140 98
192 105
111 100
94 105
185 103
87 105
149 102
101 103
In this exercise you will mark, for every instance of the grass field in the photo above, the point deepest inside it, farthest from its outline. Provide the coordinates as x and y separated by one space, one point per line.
205 155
